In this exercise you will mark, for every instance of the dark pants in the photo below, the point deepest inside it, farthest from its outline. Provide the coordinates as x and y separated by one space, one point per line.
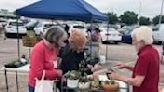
31 89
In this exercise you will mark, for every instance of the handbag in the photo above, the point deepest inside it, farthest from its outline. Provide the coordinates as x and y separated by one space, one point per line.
44 85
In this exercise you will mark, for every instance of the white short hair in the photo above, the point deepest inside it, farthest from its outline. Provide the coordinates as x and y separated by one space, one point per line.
143 33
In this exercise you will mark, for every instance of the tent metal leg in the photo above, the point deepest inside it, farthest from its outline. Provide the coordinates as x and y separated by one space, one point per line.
128 88
18 42
91 40
6 80
162 53
107 44
17 85
29 52
106 52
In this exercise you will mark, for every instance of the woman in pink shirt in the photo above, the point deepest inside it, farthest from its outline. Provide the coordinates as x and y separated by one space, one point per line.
44 57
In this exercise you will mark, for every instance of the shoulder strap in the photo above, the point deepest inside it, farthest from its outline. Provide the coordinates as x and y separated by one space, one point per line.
43 76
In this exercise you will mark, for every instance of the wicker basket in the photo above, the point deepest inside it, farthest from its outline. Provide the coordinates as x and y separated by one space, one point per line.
29 41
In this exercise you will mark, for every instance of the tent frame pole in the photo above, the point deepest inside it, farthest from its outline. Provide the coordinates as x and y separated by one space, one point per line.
52 20
18 41
162 54
107 40
91 39
160 20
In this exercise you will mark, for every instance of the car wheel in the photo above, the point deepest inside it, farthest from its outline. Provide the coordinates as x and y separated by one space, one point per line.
7 35
116 42
159 42
104 42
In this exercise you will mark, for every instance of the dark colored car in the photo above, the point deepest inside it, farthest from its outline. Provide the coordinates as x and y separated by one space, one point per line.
127 37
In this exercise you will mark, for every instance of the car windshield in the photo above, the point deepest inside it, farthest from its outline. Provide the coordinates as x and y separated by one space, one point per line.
48 25
103 26
130 32
112 29
32 24
2 21
155 28
80 27
15 24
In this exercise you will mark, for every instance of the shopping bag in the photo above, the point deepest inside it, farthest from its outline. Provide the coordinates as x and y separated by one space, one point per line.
44 85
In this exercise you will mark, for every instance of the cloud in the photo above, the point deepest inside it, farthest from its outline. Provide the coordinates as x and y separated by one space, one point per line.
12 5
148 7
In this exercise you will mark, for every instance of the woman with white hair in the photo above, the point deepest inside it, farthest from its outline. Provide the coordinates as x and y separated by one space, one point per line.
145 76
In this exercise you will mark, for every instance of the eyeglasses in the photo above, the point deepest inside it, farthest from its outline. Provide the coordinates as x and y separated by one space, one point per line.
66 41
52 42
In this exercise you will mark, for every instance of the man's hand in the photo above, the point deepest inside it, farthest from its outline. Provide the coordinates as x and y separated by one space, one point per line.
137 81
121 66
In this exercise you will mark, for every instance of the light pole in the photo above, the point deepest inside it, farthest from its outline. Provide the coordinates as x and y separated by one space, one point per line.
160 20
160 17
139 13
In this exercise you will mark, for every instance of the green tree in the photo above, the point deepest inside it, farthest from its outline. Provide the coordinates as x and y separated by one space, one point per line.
144 20
156 19
112 18
129 18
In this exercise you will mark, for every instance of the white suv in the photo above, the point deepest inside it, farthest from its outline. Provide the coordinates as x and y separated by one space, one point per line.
40 29
82 28
110 36
158 33
11 29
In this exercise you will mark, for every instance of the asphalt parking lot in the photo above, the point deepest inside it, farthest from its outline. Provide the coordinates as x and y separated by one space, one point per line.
8 52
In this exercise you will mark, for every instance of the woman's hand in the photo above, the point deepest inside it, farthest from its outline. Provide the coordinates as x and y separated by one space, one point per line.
59 72
93 76
115 76
89 66
97 66
90 76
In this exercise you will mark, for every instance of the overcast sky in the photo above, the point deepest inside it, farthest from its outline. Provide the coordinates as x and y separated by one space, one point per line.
148 8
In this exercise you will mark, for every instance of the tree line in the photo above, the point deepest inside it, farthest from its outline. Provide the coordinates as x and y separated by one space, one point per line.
131 18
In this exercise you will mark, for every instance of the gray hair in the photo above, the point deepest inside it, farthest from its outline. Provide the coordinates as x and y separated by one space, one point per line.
143 33
54 34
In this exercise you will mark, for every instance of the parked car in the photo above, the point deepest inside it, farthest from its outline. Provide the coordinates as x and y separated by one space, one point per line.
1 26
80 27
158 33
11 29
3 22
42 27
31 24
126 29
127 37
110 36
